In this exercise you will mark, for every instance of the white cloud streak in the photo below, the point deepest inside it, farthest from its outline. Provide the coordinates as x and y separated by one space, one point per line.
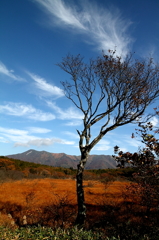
14 134
45 88
12 131
66 14
74 123
102 148
27 111
9 73
65 114
133 142
23 137
38 130
103 145
3 140
105 28
42 142
71 134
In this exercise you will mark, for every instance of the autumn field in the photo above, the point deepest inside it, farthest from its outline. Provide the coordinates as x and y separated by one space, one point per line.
33 196
52 202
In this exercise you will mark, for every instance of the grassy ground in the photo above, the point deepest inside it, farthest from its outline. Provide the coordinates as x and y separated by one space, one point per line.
113 209
41 233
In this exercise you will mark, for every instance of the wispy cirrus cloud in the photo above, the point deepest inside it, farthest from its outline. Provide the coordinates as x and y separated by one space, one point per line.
46 89
64 114
67 15
103 27
9 73
25 110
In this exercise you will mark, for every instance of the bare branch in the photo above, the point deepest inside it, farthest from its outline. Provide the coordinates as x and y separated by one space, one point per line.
109 87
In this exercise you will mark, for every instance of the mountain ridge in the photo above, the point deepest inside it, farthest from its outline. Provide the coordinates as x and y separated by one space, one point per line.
64 160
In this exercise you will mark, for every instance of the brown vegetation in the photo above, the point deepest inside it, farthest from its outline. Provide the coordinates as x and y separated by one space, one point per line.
114 203
111 205
24 197
34 197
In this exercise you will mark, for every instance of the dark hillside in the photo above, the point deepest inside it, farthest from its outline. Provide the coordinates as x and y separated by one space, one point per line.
64 160
15 169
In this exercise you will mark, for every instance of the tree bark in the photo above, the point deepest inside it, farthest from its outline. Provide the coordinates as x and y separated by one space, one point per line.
81 216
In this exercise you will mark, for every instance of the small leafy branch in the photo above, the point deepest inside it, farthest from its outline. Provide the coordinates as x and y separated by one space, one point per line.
147 167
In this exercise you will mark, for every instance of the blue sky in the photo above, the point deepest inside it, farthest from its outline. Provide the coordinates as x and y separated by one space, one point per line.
37 34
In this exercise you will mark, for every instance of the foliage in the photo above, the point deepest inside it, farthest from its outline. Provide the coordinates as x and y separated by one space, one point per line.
145 192
125 173
145 162
146 157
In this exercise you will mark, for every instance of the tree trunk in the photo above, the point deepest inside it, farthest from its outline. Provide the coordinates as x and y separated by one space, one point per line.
81 216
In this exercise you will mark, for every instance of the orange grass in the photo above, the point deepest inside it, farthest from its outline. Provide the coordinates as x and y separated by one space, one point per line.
43 191
37 198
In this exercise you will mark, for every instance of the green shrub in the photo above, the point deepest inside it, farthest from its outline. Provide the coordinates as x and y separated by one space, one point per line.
42 233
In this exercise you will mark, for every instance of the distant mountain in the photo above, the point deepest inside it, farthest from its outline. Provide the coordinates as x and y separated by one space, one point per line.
64 160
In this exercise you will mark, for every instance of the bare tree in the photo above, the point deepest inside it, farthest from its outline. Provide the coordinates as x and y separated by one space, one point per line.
108 89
